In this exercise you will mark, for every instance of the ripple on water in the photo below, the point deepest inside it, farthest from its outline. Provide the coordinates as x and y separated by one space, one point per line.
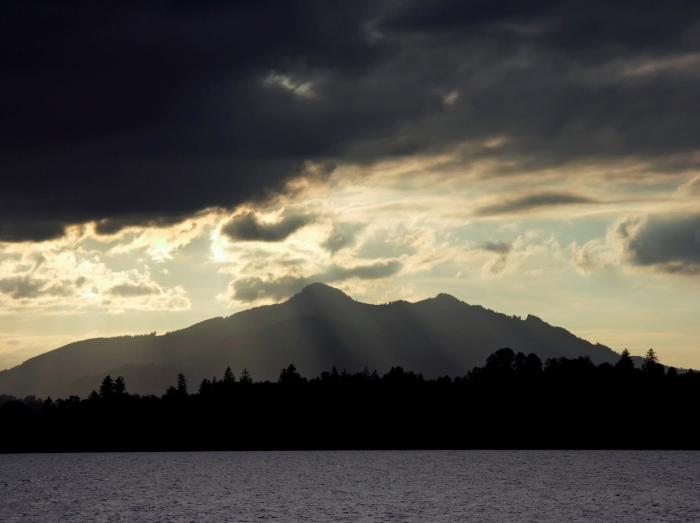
352 486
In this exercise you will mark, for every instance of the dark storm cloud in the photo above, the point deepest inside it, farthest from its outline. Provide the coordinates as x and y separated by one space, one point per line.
160 108
116 110
668 243
533 201
247 227
12 230
563 25
251 289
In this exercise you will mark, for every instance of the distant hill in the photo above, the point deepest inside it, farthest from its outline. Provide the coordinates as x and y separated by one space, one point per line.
316 329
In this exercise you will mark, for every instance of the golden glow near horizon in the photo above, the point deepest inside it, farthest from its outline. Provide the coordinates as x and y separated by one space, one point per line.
556 243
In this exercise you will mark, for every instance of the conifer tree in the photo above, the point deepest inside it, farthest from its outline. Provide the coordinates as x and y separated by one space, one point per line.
181 384
625 363
119 386
246 379
107 387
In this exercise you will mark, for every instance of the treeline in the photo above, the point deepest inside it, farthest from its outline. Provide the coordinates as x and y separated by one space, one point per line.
513 401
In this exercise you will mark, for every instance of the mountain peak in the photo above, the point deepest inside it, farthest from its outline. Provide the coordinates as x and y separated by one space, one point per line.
446 298
319 290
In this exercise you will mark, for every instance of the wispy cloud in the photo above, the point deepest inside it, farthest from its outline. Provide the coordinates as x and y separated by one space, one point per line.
534 201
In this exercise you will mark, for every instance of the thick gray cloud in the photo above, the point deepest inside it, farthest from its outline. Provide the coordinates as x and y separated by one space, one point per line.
131 290
251 289
247 227
134 113
668 243
533 201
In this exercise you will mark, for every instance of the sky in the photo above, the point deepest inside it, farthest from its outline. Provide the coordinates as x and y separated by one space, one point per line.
166 162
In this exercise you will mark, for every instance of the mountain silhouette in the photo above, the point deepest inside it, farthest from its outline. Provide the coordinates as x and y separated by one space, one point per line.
316 329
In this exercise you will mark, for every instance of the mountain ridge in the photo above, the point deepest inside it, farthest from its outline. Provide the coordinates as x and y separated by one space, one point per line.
315 329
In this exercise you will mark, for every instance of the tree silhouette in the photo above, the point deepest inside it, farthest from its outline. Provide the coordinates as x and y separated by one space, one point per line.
527 366
500 363
119 386
509 402
290 376
205 386
398 376
246 379
49 404
651 365
229 378
107 387
181 384
625 363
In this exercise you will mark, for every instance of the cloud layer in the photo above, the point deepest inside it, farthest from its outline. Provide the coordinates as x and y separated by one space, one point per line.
131 114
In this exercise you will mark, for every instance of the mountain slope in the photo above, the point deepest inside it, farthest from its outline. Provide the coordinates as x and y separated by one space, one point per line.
315 329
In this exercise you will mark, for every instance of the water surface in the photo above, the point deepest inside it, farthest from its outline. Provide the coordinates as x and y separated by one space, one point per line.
352 486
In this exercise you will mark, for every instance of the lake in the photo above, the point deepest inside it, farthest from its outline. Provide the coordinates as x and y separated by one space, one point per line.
352 486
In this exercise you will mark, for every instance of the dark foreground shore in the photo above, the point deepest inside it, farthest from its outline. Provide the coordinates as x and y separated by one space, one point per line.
514 401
